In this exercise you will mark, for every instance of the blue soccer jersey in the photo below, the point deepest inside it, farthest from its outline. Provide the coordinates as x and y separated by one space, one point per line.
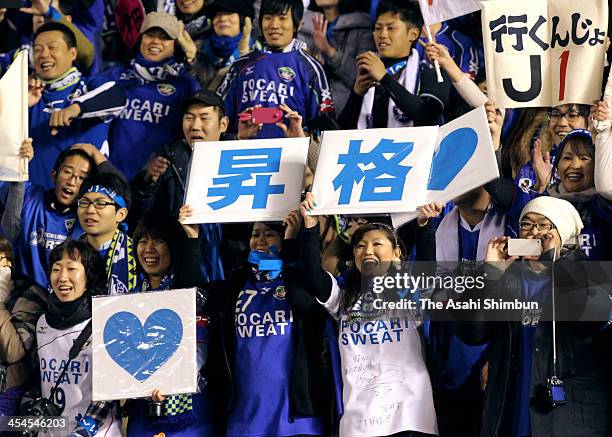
270 78
264 359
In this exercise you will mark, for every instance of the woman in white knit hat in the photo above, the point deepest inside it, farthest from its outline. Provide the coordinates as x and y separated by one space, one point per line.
529 393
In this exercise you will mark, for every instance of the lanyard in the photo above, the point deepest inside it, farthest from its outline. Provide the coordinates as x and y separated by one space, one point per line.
459 257
554 323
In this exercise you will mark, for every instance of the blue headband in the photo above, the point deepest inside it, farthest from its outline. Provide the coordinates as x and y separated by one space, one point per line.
113 195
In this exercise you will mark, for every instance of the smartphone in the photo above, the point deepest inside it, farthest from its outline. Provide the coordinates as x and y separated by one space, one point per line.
11 4
524 247
266 115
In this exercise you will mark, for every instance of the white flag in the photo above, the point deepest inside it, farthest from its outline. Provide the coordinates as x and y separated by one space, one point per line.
14 119
437 11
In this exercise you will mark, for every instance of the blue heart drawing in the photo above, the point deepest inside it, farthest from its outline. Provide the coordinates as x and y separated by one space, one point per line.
454 152
142 349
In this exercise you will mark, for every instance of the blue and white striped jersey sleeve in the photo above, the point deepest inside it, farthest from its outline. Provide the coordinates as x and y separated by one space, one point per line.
103 99
320 99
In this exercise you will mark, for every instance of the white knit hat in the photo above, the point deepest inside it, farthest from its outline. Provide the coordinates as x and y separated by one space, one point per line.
562 213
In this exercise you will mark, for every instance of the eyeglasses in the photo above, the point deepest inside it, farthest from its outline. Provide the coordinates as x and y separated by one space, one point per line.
528 226
67 173
571 115
98 203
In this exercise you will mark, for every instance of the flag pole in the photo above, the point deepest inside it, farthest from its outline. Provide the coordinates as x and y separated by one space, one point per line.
436 63
607 97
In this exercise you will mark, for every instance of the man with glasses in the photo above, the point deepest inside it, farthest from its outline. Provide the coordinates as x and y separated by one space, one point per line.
36 220
102 208
562 119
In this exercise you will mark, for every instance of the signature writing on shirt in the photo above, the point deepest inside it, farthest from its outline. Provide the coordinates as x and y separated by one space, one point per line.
372 376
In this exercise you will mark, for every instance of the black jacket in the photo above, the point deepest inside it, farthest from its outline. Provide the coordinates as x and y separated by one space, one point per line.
577 364
165 196
308 396
424 109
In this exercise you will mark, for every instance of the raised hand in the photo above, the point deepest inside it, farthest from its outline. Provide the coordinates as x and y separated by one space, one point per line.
158 395
92 151
306 206
496 121
540 160
496 253
246 128
438 52
372 64
35 90
244 44
319 35
192 231
429 211
63 117
548 242
601 112
295 129
155 169
363 83
26 150
39 7
293 222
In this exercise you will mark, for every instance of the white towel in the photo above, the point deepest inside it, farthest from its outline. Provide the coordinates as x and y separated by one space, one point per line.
447 234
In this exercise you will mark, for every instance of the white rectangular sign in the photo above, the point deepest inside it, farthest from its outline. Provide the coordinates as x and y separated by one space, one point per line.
246 181
373 171
14 119
144 341
544 53
464 160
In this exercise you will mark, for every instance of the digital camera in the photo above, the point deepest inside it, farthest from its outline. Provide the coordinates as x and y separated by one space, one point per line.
40 407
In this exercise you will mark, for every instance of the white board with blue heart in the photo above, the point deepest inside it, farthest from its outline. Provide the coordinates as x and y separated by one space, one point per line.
373 171
144 341
464 159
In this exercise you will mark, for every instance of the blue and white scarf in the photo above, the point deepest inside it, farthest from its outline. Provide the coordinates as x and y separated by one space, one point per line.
146 71
120 264
69 78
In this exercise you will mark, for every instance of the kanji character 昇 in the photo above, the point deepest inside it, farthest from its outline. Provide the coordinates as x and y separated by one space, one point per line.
239 166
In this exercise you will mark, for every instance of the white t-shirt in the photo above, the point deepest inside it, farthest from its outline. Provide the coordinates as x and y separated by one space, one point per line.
74 392
386 384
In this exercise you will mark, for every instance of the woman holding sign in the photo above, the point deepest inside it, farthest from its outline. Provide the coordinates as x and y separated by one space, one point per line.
63 335
386 385
167 260
266 366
